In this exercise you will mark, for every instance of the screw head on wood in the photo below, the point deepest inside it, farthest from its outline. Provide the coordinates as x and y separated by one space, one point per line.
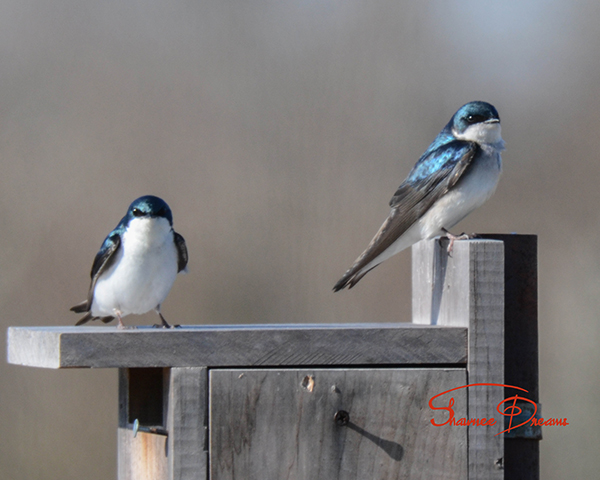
341 418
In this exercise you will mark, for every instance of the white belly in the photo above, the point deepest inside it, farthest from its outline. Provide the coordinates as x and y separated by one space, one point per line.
143 272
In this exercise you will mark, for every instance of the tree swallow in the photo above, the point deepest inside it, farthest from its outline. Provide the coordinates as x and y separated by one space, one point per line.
137 264
456 174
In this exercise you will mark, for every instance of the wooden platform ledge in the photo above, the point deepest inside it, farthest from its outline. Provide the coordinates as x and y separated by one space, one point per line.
232 346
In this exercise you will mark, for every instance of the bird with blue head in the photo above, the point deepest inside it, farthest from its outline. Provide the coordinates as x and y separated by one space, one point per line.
457 173
136 265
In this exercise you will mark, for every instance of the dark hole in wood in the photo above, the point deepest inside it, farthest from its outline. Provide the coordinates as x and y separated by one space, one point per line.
146 396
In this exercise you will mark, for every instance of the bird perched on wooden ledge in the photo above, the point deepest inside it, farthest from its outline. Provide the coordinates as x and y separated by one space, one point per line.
456 174
136 266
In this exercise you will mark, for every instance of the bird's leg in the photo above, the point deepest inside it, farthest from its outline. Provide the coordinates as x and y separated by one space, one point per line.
164 322
120 326
454 238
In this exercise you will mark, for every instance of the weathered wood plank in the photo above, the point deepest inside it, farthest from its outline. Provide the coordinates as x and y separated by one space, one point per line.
187 423
33 347
279 423
257 345
467 289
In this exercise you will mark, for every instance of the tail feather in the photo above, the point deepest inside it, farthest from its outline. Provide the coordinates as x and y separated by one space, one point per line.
351 278
85 319
89 317
84 307
81 307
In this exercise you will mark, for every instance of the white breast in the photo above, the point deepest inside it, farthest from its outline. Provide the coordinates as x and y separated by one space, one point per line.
143 272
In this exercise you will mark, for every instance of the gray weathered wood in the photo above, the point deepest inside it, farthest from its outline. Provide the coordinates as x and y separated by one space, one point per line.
467 289
256 345
33 347
187 423
279 424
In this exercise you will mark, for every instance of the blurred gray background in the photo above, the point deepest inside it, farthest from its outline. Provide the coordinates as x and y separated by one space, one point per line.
278 131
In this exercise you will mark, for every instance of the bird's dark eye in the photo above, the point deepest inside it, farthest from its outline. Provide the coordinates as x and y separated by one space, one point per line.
162 212
137 212
471 119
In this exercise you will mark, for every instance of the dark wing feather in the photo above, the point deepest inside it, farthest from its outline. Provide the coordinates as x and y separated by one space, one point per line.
104 259
182 254
431 178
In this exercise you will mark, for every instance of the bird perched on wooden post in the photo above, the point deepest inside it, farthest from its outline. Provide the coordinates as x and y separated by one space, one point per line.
456 174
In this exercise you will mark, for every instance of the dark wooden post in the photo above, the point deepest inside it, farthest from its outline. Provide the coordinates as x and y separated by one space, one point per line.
521 447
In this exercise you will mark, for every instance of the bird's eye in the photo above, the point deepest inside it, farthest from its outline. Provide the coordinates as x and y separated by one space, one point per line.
162 212
137 212
475 119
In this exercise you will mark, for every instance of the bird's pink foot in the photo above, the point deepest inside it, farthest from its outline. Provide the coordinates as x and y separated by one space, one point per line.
121 325
454 238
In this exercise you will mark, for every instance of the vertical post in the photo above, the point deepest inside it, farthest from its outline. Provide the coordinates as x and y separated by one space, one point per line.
521 447
467 289
187 423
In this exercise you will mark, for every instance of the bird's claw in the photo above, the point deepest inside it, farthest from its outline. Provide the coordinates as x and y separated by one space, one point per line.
164 323
454 238
159 325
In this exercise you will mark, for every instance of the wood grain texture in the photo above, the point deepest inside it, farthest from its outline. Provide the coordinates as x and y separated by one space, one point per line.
279 424
467 289
187 423
256 345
